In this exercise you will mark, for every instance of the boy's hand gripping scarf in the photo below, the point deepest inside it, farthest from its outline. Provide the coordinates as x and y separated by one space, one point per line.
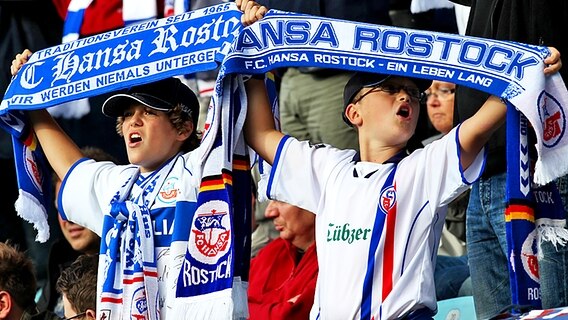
510 70
187 43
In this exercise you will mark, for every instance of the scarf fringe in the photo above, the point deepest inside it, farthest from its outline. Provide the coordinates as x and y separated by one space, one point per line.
240 299
553 231
215 305
29 208
544 172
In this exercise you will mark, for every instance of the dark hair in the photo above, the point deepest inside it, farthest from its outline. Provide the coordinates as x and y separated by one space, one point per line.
178 118
79 283
17 275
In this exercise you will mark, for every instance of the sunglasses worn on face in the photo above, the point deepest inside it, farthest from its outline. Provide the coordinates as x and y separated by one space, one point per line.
390 88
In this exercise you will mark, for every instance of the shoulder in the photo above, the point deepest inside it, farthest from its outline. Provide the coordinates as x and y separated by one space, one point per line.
294 146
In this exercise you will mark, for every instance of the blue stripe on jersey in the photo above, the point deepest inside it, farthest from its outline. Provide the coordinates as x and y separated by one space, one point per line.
275 163
368 282
409 234
375 238
63 183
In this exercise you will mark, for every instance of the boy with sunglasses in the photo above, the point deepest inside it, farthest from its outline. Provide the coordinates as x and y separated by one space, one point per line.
379 212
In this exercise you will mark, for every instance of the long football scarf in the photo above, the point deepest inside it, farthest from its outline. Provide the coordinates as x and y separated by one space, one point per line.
210 284
533 214
129 259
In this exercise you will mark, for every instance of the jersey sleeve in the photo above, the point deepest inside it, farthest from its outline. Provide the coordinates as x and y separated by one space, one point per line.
443 176
87 189
301 170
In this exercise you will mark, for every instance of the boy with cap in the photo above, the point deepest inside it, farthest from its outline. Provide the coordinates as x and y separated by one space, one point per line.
145 207
379 212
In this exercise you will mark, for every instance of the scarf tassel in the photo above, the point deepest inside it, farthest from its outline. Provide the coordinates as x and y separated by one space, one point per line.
29 209
553 231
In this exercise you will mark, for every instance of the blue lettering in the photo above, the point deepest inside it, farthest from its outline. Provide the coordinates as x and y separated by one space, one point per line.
518 65
297 32
393 41
369 35
269 34
493 51
325 33
286 32
420 45
448 42
248 40
472 53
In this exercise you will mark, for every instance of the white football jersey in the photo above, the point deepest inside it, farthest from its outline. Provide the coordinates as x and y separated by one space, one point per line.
351 200
85 198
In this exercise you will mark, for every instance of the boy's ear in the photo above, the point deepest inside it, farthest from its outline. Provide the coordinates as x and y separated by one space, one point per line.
187 131
91 314
352 114
5 304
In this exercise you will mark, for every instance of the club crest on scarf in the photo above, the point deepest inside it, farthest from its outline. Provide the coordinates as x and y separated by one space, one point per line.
210 232
31 164
139 304
553 119
528 256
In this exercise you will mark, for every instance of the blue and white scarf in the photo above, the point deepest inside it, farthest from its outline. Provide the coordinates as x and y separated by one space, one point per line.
212 248
513 71
133 12
33 173
129 259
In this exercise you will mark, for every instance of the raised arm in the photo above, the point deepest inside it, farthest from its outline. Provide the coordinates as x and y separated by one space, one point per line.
60 150
260 133
476 131
259 129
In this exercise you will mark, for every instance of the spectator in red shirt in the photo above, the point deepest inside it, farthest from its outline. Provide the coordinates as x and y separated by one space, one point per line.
283 275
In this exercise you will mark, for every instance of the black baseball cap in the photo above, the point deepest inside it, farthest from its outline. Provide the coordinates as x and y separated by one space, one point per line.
361 80
162 95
